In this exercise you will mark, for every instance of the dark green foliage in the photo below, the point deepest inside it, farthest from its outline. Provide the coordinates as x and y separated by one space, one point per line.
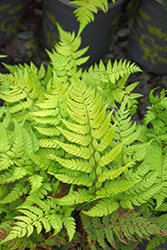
164 4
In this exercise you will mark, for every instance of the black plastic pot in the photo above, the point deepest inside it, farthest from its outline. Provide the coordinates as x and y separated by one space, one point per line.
97 34
148 38
10 16
142 246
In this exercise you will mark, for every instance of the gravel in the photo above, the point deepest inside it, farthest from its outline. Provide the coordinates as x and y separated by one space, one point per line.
27 46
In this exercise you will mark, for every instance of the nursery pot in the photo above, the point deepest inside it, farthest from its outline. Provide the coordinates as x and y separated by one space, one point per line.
97 34
143 246
10 16
148 38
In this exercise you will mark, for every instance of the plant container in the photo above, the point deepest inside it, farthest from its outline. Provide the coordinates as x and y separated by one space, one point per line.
148 37
11 12
97 34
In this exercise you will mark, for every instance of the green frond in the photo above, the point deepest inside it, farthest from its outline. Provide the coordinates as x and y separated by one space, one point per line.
110 82
55 221
83 140
100 126
46 224
78 117
36 182
70 226
18 145
143 197
101 238
106 139
6 175
46 112
22 105
48 143
40 193
77 128
109 235
66 56
18 190
113 174
102 208
4 139
82 179
31 142
48 131
110 156
7 119
115 187
80 196
18 173
74 164
9 96
41 162
47 120
82 152
87 9
5 162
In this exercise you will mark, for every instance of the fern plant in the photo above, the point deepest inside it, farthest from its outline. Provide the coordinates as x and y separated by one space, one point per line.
73 173
86 10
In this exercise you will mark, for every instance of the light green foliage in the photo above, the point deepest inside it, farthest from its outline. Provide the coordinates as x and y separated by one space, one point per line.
66 158
86 10
110 82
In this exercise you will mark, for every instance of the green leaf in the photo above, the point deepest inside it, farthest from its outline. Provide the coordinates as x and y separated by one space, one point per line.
102 208
78 180
18 141
82 152
55 222
110 156
36 182
70 226
4 140
113 174
73 164
76 197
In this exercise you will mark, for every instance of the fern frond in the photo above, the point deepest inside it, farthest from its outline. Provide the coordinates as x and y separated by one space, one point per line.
46 112
110 156
70 226
5 162
18 173
41 162
74 164
48 143
86 10
113 174
80 129
36 182
18 145
80 196
4 139
82 152
102 208
18 190
110 82
48 131
67 53
83 179
83 140
115 187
